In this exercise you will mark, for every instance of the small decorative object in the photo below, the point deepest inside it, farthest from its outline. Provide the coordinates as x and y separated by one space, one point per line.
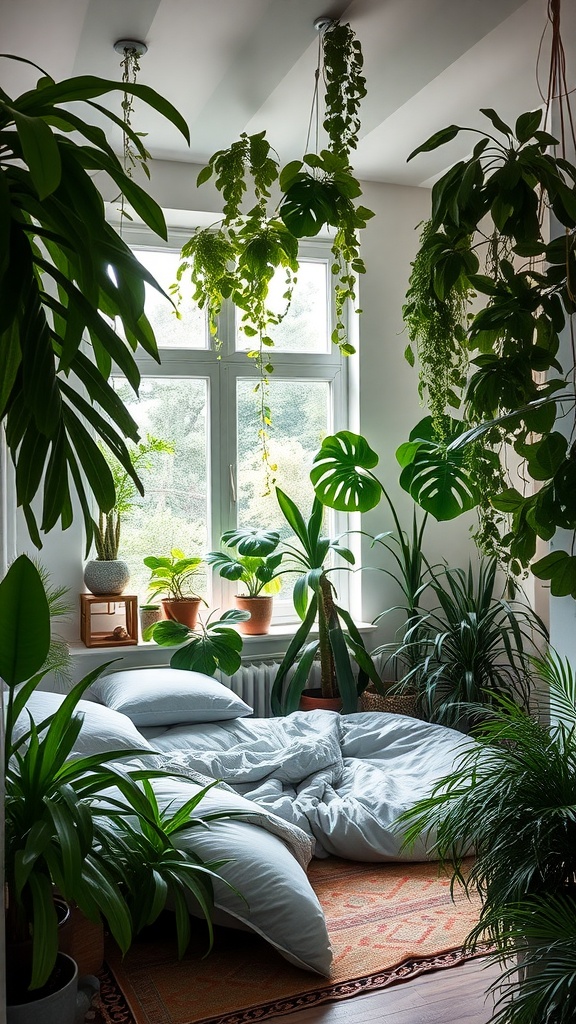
99 625
106 576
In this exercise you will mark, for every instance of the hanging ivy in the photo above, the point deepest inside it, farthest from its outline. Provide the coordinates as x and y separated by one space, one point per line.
237 259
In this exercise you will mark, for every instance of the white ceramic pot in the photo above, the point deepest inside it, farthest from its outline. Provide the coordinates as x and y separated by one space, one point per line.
106 577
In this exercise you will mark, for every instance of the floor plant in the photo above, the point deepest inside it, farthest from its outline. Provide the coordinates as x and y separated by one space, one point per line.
511 799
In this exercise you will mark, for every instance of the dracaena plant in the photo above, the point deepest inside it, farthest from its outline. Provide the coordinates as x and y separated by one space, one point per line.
345 665
486 236
238 258
58 295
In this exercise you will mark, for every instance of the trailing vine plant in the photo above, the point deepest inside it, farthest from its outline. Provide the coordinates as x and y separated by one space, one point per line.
134 153
238 258
516 388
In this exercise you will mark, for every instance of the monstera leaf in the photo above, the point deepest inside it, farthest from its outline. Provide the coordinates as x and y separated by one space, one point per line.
436 475
252 541
341 473
560 569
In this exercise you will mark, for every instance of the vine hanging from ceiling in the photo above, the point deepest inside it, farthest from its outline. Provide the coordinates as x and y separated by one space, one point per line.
238 258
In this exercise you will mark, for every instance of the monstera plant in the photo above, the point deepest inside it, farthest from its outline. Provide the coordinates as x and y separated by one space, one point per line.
486 236
58 295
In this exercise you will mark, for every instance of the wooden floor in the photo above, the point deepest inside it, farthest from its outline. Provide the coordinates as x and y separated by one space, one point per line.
453 996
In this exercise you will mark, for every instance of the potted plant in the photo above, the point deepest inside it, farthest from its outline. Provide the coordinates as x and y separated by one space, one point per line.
336 647
256 566
107 574
208 647
472 648
511 799
172 575
58 816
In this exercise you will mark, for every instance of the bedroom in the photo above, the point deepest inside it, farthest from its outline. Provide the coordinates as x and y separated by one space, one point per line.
388 406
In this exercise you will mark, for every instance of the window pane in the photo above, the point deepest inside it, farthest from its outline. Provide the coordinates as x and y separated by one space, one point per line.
174 510
188 332
305 328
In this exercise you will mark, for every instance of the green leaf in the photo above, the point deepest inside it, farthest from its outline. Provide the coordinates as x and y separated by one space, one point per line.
24 622
560 568
496 121
252 541
527 124
341 473
40 151
436 140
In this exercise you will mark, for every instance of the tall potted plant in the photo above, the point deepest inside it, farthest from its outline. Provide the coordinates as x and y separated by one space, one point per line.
338 647
107 574
257 567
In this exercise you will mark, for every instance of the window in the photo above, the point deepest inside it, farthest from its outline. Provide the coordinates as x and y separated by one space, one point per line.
204 402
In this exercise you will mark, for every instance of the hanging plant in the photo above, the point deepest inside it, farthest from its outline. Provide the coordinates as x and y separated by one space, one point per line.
238 258
511 399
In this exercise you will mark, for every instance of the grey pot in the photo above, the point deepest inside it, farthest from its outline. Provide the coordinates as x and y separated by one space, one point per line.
106 577
68 1005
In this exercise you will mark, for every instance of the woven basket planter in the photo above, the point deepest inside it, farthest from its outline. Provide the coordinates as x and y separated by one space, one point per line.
395 704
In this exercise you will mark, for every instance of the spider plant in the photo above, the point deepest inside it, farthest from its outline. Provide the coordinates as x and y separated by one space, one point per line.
511 798
473 647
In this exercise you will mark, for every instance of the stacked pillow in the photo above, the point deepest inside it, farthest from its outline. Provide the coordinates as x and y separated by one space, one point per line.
168 696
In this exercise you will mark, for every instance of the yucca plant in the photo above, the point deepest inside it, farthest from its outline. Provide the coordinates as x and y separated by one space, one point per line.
473 647
512 799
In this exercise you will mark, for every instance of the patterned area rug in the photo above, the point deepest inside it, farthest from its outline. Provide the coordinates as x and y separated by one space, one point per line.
387 923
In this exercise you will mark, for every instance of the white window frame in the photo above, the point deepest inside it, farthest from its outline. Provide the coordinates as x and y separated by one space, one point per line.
222 368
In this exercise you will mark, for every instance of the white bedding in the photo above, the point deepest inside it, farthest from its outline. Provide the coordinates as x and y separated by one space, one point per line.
344 780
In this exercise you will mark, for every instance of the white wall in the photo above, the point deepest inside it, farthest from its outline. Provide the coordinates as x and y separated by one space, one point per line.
389 405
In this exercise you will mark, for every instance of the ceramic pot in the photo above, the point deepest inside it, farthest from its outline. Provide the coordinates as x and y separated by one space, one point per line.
149 614
185 610
63 1000
312 700
106 577
260 609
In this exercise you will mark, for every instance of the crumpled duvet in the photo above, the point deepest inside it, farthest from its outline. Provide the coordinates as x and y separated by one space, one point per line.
344 780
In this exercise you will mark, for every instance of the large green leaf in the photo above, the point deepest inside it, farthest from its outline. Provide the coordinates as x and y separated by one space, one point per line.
40 151
341 473
24 622
252 541
560 568
436 475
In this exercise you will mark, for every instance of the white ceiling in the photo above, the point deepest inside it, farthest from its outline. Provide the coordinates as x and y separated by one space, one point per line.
245 65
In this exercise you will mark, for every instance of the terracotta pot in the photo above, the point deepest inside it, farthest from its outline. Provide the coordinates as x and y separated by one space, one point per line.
260 609
312 700
185 610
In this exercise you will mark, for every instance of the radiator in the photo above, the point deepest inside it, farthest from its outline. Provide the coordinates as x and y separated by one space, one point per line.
253 683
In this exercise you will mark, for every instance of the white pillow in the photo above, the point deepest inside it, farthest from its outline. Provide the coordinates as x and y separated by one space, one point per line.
278 901
102 729
168 696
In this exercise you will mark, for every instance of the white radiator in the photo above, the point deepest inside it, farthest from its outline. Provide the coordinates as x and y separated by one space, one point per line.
253 683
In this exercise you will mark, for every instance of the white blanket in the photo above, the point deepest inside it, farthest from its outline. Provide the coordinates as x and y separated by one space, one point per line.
344 780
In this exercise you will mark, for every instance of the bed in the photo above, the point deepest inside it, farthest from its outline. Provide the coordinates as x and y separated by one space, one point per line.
312 784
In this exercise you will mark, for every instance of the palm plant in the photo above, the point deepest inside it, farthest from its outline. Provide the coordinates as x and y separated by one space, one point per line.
511 798
315 597
472 648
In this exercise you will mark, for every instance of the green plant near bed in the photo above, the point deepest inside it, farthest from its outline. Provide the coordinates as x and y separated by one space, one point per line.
209 647
60 812
511 798
338 647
